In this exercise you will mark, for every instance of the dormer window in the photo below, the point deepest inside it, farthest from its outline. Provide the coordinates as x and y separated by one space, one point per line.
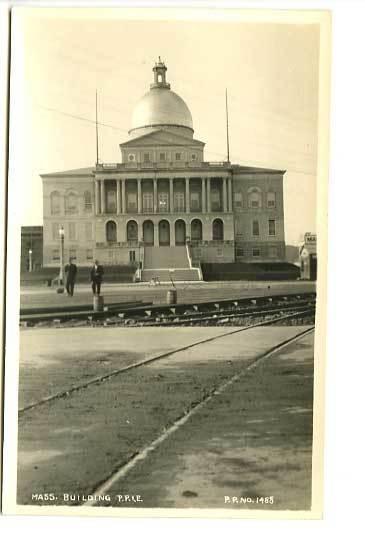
131 157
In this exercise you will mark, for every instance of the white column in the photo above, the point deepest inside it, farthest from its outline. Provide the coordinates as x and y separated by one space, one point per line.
171 198
230 207
118 196
139 195
187 195
208 194
224 191
102 191
204 199
124 208
155 195
97 197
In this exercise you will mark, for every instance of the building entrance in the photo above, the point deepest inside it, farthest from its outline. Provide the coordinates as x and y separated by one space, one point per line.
148 235
180 232
164 233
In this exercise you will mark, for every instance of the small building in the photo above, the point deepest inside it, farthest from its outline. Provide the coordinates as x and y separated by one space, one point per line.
31 258
308 257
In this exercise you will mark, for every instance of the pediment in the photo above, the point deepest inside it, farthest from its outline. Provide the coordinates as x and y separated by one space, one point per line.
161 138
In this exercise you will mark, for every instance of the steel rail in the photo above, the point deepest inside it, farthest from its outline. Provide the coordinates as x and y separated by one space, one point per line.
126 466
215 316
172 309
100 379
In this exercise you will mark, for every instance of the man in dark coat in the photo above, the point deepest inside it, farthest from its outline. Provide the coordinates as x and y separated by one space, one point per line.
96 277
71 272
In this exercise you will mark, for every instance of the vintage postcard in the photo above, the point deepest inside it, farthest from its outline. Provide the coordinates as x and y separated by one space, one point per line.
166 262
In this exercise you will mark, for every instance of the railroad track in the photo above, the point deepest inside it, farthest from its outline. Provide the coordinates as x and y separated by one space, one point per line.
138 313
121 471
291 314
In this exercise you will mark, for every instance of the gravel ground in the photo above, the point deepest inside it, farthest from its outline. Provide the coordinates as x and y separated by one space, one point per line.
73 444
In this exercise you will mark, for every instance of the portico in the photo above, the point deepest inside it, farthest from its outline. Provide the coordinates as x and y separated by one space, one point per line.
161 194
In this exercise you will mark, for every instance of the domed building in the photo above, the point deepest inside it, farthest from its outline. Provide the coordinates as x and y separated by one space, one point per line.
163 206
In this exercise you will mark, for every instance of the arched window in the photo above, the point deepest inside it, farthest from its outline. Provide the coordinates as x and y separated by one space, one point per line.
55 203
254 198
218 230
71 203
132 231
271 201
111 231
87 200
196 230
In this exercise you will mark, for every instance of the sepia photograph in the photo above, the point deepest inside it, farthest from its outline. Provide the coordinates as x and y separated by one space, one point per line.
167 244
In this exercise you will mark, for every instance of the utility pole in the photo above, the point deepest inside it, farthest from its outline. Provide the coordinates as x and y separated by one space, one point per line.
96 127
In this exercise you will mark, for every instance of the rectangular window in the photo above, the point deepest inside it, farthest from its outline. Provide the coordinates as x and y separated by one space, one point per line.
131 202
215 200
163 202
146 157
88 201
132 256
219 252
88 231
256 252
239 251
237 199
255 228
147 202
195 202
162 156
56 255
89 254
271 200
272 227
111 201
179 202
72 253
178 156
72 231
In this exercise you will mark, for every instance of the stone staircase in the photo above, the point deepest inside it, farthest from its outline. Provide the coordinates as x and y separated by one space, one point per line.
159 260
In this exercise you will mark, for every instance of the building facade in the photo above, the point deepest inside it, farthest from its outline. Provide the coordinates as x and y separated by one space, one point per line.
163 194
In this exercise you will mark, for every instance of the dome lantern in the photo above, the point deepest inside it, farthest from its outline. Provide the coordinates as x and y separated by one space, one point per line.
161 108
159 71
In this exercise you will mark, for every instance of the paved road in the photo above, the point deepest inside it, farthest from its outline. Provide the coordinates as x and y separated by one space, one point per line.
255 439
187 292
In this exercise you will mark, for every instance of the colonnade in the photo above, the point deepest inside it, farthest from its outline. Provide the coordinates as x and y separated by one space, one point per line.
206 204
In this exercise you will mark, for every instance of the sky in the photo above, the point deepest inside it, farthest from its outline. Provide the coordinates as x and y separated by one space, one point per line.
270 71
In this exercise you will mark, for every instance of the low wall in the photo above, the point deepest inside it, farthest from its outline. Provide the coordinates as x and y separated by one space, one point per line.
250 271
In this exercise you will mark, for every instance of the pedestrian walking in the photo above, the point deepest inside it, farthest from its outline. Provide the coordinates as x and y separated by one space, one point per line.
71 272
96 277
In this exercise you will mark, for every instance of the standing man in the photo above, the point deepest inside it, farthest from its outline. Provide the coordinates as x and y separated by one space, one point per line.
96 277
71 271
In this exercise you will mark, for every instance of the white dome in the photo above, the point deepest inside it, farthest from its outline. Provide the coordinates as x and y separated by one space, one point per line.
161 107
